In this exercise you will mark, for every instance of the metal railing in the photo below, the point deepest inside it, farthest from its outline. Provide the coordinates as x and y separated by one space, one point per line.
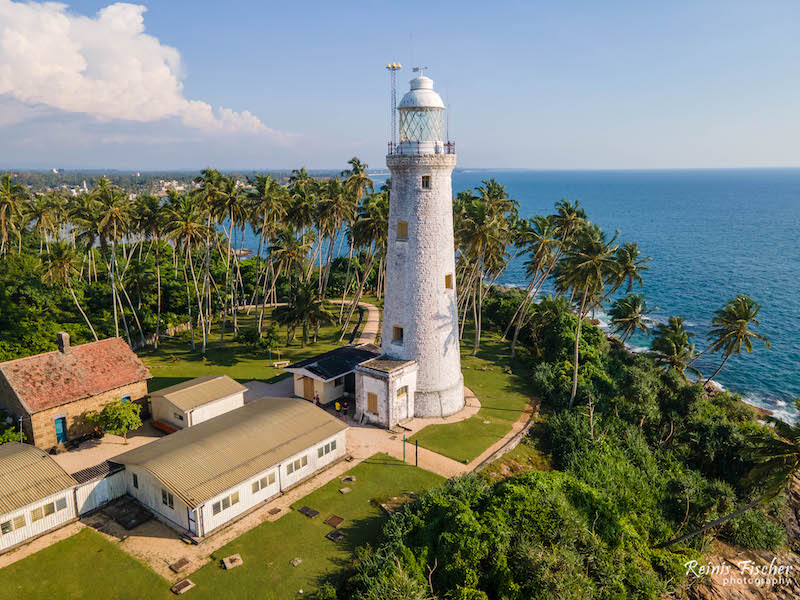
409 147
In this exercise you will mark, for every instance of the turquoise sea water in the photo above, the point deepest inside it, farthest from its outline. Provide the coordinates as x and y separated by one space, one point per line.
711 234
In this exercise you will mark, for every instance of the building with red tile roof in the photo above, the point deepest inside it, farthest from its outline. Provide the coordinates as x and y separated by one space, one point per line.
52 391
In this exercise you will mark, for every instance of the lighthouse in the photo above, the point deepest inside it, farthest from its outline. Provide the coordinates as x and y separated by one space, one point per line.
420 318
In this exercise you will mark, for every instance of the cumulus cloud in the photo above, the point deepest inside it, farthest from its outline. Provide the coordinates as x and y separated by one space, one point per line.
104 66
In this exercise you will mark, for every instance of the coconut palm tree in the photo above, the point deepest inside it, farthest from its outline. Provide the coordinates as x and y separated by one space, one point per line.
732 329
585 268
39 212
305 309
336 208
12 199
628 315
151 218
356 179
631 266
59 265
671 347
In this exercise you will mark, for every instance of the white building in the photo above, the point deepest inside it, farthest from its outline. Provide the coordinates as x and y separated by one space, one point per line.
36 494
201 477
197 400
420 317
330 376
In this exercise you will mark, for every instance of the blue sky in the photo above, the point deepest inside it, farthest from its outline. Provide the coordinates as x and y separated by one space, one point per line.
578 85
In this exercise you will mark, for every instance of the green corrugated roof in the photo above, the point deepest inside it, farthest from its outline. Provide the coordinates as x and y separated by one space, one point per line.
200 462
202 390
28 474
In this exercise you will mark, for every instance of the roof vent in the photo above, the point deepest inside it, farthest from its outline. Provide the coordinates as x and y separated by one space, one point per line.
62 338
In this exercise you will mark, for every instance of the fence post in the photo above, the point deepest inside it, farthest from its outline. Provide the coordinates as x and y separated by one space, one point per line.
416 453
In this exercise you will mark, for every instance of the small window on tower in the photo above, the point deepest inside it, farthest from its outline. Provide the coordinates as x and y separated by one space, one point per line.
448 281
426 182
397 334
402 230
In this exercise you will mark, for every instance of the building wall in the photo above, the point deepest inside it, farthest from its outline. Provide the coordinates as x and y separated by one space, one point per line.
391 409
164 410
314 463
416 296
365 384
32 529
94 494
328 392
43 433
149 494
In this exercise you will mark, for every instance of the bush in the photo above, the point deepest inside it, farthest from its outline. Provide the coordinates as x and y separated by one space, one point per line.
755 530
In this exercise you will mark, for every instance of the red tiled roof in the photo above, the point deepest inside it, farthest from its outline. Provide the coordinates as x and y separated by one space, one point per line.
52 379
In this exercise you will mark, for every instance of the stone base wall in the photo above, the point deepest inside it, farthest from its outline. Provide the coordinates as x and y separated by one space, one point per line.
40 430
439 403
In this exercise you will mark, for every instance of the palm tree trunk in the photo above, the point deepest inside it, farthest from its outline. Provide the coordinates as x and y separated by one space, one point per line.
225 287
478 313
85 318
577 342
199 299
357 295
727 356
189 306
158 284
711 525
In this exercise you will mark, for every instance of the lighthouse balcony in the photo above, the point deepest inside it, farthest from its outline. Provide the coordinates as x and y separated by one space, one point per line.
427 147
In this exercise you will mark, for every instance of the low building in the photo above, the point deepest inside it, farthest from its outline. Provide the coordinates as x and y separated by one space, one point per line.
330 376
201 477
52 392
385 391
197 400
36 494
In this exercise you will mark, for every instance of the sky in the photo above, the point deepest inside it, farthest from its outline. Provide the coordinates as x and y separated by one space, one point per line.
255 84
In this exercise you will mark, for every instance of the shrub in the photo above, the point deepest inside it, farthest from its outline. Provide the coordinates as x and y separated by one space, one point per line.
755 530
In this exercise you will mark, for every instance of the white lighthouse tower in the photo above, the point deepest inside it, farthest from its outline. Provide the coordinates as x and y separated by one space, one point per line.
420 318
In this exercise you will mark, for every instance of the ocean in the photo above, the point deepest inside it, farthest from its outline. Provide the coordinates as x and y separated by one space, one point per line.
711 234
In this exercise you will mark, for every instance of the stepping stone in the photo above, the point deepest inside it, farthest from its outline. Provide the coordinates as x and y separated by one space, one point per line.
349 479
334 521
180 565
345 490
295 561
232 561
182 587
309 512
274 511
335 535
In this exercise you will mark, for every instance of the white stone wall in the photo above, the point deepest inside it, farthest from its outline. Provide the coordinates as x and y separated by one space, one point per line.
149 494
94 494
366 384
33 528
416 297
391 409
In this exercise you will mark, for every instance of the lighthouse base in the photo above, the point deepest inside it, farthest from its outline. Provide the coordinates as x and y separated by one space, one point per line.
440 403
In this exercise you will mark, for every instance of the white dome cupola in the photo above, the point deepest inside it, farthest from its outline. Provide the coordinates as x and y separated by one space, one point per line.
421 119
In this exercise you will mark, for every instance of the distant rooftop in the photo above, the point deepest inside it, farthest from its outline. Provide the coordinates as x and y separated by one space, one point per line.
199 391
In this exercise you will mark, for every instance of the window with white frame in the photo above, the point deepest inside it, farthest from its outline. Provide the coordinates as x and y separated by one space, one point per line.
61 504
6 527
264 482
225 503
326 449
36 515
296 465
17 522
167 499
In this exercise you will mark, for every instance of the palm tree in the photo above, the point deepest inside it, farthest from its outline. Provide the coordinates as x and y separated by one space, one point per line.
732 329
628 315
39 212
585 268
59 265
12 198
336 207
356 179
305 309
151 219
671 348
631 266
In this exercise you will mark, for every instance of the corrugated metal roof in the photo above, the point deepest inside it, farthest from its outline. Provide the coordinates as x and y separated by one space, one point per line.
335 363
202 390
200 462
101 471
28 474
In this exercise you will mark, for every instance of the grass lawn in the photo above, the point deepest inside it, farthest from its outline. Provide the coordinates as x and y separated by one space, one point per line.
85 566
503 397
174 360
268 549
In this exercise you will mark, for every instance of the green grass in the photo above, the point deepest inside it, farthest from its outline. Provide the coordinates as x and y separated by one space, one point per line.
268 549
85 566
174 361
503 397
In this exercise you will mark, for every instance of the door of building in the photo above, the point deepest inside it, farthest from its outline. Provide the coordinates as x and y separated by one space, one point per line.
61 430
308 389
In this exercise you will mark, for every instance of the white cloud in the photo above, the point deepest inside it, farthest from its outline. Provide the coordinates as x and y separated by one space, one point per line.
106 67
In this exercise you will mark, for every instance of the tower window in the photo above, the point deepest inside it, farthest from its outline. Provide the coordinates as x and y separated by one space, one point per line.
426 182
402 230
402 392
397 334
448 281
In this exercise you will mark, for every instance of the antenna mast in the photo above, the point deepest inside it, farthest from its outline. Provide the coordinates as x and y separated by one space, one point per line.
393 68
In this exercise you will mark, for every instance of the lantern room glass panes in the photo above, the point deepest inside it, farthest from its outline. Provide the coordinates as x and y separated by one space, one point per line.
422 125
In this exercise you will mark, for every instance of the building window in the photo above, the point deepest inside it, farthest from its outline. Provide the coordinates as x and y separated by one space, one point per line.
226 503
36 515
167 499
61 504
339 381
235 498
5 527
426 182
178 416
326 449
296 465
397 334
10 525
402 392
448 281
19 522
216 508
126 398
372 403
264 482
49 509
402 230
136 481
